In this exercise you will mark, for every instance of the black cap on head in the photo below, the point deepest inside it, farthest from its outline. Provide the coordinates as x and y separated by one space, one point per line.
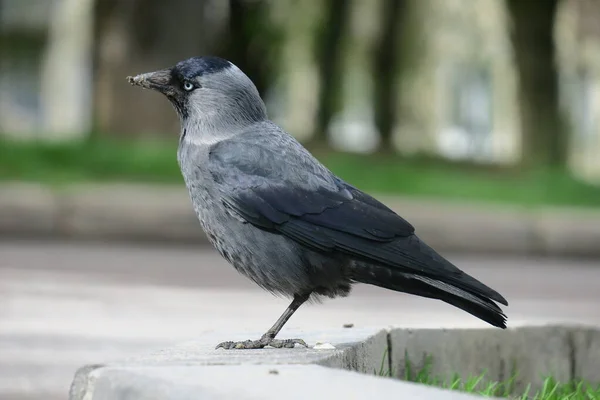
198 66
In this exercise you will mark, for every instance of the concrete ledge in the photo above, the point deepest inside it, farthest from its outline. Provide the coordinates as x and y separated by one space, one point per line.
28 209
164 213
358 349
528 354
253 382
195 370
128 211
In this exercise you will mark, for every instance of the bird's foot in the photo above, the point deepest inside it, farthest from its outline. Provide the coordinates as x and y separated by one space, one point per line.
261 343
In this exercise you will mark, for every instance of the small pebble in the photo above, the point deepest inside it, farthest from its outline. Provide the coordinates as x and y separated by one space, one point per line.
273 372
324 346
350 325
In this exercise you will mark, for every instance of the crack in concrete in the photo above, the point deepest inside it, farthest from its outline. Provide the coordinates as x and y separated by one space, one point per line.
389 352
572 355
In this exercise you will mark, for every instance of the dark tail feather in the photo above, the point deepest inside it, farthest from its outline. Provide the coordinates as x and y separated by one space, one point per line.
473 303
462 280
479 306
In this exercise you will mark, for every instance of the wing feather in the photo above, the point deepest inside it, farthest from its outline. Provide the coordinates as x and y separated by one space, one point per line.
307 203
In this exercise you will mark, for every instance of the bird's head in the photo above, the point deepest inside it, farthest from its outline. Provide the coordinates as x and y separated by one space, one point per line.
207 93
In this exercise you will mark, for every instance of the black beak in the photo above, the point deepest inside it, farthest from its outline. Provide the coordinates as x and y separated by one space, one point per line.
158 80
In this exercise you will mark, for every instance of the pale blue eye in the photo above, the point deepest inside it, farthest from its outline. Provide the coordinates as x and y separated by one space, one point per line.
187 86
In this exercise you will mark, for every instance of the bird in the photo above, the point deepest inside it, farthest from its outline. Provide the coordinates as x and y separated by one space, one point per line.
284 220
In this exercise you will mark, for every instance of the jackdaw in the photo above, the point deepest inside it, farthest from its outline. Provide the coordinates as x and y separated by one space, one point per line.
283 219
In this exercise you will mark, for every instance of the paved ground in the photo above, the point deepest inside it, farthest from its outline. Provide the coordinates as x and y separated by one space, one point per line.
63 305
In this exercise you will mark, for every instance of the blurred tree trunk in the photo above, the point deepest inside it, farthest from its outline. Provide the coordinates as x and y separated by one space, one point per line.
251 44
336 21
134 36
389 55
543 128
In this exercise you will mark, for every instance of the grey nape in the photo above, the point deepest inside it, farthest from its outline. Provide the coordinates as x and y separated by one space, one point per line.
281 218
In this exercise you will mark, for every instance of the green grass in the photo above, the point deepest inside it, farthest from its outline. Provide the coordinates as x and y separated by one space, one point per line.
551 389
103 160
111 160
436 179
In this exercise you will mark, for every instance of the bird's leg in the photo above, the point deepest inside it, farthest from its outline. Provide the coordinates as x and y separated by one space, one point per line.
268 339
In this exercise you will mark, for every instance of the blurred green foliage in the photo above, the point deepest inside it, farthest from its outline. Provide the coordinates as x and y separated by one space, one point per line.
102 159
109 160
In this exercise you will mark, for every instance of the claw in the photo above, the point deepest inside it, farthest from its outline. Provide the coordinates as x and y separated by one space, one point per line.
259 344
225 345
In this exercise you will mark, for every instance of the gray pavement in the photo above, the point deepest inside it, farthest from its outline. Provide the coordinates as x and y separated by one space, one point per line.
65 304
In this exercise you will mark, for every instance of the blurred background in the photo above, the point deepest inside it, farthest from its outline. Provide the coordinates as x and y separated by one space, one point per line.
501 98
479 121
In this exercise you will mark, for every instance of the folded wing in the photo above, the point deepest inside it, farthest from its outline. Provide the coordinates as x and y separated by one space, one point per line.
305 202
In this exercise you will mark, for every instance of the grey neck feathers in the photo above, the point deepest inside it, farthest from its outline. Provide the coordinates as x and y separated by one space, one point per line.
210 123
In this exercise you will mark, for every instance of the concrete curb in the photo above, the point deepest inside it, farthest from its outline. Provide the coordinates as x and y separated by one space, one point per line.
164 213
194 370
191 369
